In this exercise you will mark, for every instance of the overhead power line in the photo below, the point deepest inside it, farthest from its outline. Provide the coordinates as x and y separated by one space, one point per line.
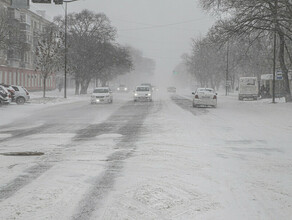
162 25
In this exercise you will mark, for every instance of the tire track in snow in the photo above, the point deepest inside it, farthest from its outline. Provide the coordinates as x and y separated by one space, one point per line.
22 180
114 124
135 115
186 104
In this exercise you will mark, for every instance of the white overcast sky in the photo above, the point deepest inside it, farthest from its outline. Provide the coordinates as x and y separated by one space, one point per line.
161 29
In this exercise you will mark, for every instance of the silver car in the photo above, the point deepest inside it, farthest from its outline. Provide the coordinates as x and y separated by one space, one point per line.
143 93
101 94
205 97
21 95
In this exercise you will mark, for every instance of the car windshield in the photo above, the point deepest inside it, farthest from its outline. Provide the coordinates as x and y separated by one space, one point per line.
206 90
101 91
142 89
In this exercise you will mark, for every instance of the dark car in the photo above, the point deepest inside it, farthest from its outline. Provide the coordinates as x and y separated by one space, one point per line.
171 89
122 88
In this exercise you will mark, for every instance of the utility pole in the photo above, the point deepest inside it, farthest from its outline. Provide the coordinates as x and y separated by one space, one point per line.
65 70
227 70
65 64
275 45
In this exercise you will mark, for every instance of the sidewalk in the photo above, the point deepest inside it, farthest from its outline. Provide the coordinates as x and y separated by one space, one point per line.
55 97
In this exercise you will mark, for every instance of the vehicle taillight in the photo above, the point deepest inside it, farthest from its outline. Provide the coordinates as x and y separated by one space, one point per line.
196 96
214 97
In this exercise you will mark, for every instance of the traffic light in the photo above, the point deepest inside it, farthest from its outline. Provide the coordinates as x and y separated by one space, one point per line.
58 2
42 1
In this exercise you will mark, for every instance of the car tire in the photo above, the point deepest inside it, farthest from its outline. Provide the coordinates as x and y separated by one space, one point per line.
20 101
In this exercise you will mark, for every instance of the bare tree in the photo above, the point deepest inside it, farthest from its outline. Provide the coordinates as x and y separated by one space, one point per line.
88 34
48 54
117 61
256 19
4 24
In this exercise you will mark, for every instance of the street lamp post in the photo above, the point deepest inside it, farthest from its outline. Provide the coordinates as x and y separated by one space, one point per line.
65 70
65 64
227 69
275 45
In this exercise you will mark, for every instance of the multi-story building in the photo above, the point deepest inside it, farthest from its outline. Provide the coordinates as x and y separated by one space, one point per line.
17 59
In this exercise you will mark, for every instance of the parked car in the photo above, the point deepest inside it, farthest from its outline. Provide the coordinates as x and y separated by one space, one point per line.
21 95
101 94
171 89
143 93
122 88
5 96
205 97
10 90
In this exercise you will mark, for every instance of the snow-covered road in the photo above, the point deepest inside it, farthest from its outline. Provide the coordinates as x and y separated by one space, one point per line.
159 160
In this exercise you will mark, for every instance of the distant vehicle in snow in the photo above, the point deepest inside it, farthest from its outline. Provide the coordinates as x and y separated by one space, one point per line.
143 93
101 94
21 95
205 97
122 88
171 89
248 88
148 84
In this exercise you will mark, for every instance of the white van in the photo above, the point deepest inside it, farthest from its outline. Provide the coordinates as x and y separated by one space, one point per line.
248 88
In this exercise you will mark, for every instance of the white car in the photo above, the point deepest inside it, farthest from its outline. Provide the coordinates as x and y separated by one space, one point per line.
143 93
21 95
101 95
205 97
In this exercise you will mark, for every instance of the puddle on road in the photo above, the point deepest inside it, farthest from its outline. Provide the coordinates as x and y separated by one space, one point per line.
28 153
109 136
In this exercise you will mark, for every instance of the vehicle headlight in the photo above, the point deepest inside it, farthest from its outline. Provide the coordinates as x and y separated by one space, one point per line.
135 94
118 88
149 94
126 89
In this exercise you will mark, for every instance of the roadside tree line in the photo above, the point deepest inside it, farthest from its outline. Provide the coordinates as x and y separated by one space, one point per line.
93 54
241 42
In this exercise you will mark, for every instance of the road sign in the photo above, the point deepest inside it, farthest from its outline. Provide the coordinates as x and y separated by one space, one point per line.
279 75
228 82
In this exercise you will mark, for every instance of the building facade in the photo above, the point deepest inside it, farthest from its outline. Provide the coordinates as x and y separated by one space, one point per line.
17 59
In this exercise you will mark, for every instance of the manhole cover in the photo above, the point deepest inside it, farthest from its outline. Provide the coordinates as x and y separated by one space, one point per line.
22 154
